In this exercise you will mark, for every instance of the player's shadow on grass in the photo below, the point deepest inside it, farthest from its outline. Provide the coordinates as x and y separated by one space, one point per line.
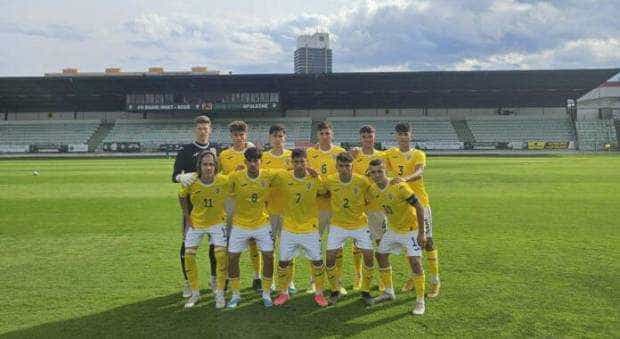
165 317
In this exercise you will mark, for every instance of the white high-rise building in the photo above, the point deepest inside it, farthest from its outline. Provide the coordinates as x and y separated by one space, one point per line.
313 54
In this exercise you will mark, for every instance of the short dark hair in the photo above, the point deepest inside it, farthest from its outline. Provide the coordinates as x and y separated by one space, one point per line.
202 119
375 162
402 127
238 126
344 157
252 153
298 153
277 128
367 129
323 125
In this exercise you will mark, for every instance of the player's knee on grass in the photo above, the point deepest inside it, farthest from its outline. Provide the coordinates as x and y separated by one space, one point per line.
191 250
284 264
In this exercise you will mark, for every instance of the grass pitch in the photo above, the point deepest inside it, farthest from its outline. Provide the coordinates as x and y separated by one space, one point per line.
527 247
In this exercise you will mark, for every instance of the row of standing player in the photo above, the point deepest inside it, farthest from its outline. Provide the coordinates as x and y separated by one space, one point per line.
401 161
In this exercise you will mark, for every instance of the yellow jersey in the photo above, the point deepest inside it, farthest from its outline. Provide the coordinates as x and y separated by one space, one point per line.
360 166
348 200
207 201
230 160
249 195
360 163
275 200
400 214
299 194
401 164
324 162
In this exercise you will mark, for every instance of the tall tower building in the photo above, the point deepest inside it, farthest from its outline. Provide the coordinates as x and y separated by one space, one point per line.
313 54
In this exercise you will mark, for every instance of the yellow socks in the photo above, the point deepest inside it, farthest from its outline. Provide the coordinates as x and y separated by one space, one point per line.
234 285
433 265
318 273
266 284
357 266
418 281
255 257
191 270
334 278
385 275
283 274
221 259
291 275
367 273
339 264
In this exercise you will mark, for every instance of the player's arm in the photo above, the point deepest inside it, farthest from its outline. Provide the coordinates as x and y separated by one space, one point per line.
181 162
417 173
311 172
322 190
178 166
419 210
186 209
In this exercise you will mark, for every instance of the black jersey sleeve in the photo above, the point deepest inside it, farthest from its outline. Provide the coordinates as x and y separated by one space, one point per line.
184 162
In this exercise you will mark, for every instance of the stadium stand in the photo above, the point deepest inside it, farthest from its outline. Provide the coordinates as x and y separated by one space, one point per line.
17 136
519 129
424 129
153 133
594 135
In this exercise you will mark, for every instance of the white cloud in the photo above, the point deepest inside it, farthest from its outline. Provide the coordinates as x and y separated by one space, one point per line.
598 52
251 36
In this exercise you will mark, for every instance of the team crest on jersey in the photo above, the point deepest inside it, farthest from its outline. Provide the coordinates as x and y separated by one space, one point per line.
217 191
308 186
356 191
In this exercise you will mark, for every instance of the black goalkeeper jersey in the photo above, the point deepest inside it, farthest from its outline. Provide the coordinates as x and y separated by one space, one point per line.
185 161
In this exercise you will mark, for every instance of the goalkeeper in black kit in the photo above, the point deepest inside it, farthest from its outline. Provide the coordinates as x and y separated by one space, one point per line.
184 168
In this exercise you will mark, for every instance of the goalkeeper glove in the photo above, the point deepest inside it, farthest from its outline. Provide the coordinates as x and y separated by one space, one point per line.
186 179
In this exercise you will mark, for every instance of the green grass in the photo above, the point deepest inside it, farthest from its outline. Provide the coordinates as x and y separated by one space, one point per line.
528 247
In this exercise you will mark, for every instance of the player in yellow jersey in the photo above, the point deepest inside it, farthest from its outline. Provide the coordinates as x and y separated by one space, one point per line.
322 158
202 203
277 158
409 164
404 213
376 218
300 228
231 160
347 192
249 189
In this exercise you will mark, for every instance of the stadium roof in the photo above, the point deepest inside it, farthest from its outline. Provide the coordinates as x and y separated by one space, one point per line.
608 89
474 89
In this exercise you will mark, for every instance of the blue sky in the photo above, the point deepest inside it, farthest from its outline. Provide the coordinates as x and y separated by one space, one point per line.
247 36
